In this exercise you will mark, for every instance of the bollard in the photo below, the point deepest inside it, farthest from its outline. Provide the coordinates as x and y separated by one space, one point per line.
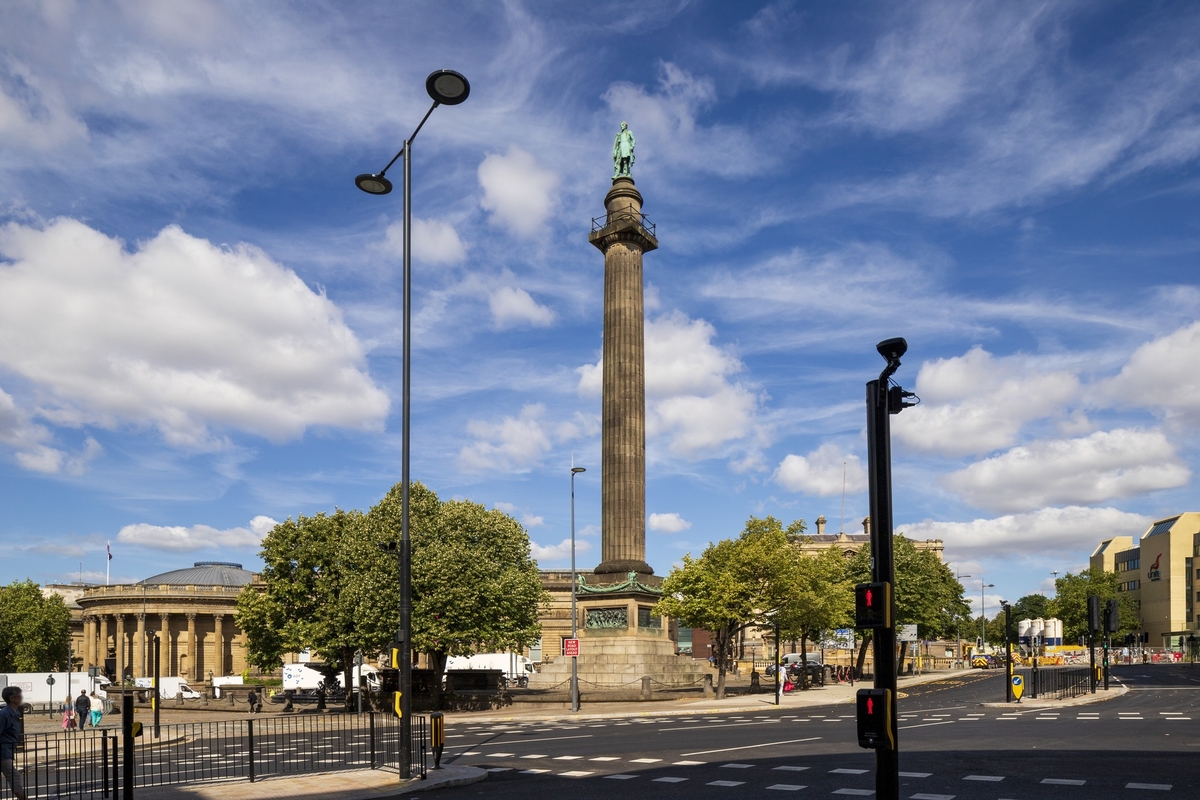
438 736
647 691
706 685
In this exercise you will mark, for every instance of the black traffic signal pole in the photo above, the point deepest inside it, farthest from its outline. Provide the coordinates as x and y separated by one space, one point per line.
127 744
1008 662
879 457
157 699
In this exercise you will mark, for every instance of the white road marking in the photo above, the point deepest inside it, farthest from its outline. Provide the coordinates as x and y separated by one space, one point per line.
644 760
734 765
688 763
1063 782
725 783
576 773
791 769
604 758
926 725
749 746
669 780
500 769
915 774
620 777
567 758
536 755
992 778
501 755
786 787
847 772
534 771
1158 787
932 797
856 792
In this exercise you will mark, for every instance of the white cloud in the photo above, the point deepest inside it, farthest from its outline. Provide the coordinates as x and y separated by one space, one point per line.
434 241
666 122
178 333
197 537
512 307
690 400
514 444
821 472
518 191
557 552
1163 374
507 508
533 521
1092 469
668 523
977 403
1066 530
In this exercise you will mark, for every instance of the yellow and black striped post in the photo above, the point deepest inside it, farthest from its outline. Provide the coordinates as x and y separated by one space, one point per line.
438 735
397 695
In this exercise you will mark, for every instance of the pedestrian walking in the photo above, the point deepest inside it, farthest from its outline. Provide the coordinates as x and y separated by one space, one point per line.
12 729
68 720
82 706
252 697
97 714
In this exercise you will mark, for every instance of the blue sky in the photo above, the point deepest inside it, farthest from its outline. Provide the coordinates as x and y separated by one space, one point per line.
199 313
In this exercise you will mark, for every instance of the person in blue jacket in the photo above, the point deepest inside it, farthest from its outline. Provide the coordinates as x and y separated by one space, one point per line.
12 729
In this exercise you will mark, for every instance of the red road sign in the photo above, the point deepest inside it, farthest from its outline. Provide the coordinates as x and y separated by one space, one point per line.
570 647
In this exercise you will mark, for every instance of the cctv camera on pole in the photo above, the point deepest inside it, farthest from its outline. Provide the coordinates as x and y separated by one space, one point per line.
879 704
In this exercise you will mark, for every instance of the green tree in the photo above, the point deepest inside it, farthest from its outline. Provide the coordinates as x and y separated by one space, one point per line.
1031 606
734 583
926 592
821 598
35 630
1070 602
475 587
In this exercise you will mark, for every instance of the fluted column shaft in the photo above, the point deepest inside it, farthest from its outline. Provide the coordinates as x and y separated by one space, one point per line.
193 656
219 646
623 416
139 648
119 641
164 636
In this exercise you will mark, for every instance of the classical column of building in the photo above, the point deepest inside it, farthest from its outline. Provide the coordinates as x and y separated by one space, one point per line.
193 656
101 638
139 651
119 642
164 638
89 641
623 240
218 667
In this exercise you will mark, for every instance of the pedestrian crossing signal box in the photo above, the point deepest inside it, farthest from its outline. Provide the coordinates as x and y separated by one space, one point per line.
873 605
874 715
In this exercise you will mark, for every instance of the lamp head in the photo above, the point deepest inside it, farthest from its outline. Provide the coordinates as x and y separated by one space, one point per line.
892 349
447 87
373 183
577 470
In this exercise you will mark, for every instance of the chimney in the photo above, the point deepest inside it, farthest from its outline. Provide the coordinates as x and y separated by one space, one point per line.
867 525
821 525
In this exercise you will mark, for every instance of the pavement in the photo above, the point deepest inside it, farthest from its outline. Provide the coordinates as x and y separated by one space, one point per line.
1141 741
359 784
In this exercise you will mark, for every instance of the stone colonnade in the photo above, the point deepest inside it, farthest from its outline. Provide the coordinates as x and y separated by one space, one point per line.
205 645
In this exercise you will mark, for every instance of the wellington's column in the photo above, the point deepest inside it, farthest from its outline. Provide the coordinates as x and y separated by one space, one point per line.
624 236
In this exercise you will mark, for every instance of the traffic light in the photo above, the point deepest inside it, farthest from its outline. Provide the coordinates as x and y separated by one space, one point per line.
874 714
1094 621
873 605
1112 616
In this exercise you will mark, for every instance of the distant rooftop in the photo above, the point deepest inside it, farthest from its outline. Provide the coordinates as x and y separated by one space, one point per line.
204 573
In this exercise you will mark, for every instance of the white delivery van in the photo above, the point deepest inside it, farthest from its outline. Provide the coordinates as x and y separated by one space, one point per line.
169 688
36 690
225 680
303 678
515 668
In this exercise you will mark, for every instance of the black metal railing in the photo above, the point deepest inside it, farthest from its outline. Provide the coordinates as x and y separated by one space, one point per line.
64 764
89 764
1056 683
627 214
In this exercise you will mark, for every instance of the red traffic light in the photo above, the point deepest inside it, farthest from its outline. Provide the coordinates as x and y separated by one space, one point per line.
874 717
872 605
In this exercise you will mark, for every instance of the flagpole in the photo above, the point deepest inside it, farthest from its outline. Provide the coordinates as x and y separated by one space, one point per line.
107 561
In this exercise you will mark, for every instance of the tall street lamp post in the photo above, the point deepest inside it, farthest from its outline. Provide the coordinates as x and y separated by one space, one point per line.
574 614
959 654
983 611
449 88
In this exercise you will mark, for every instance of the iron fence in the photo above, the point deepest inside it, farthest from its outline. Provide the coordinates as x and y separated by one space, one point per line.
89 764
1056 682
627 214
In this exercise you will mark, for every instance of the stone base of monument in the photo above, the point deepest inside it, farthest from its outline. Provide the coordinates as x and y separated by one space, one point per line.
621 642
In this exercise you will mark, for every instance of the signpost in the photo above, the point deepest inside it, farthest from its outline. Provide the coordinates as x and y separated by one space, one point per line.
571 648
906 633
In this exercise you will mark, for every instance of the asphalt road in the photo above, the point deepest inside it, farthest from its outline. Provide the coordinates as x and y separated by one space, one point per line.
1143 743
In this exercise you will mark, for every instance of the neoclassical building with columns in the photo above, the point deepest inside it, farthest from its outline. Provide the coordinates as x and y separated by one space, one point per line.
191 610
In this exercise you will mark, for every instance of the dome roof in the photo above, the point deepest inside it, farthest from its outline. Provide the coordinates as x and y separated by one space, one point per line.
205 573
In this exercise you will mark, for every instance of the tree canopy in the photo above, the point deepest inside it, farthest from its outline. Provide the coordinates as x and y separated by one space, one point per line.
35 630
331 583
926 592
1031 606
1070 602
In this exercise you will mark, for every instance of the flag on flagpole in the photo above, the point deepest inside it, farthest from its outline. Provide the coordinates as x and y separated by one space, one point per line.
110 552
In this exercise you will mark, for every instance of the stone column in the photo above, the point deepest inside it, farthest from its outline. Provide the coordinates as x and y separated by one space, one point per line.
623 240
101 639
193 658
219 646
139 651
89 641
164 636
119 642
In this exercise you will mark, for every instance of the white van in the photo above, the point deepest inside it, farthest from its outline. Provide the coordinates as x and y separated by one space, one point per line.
516 668
169 688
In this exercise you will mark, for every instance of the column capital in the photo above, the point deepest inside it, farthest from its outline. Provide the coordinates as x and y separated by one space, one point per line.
218 617
120 618
191 615
164 616
141 616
